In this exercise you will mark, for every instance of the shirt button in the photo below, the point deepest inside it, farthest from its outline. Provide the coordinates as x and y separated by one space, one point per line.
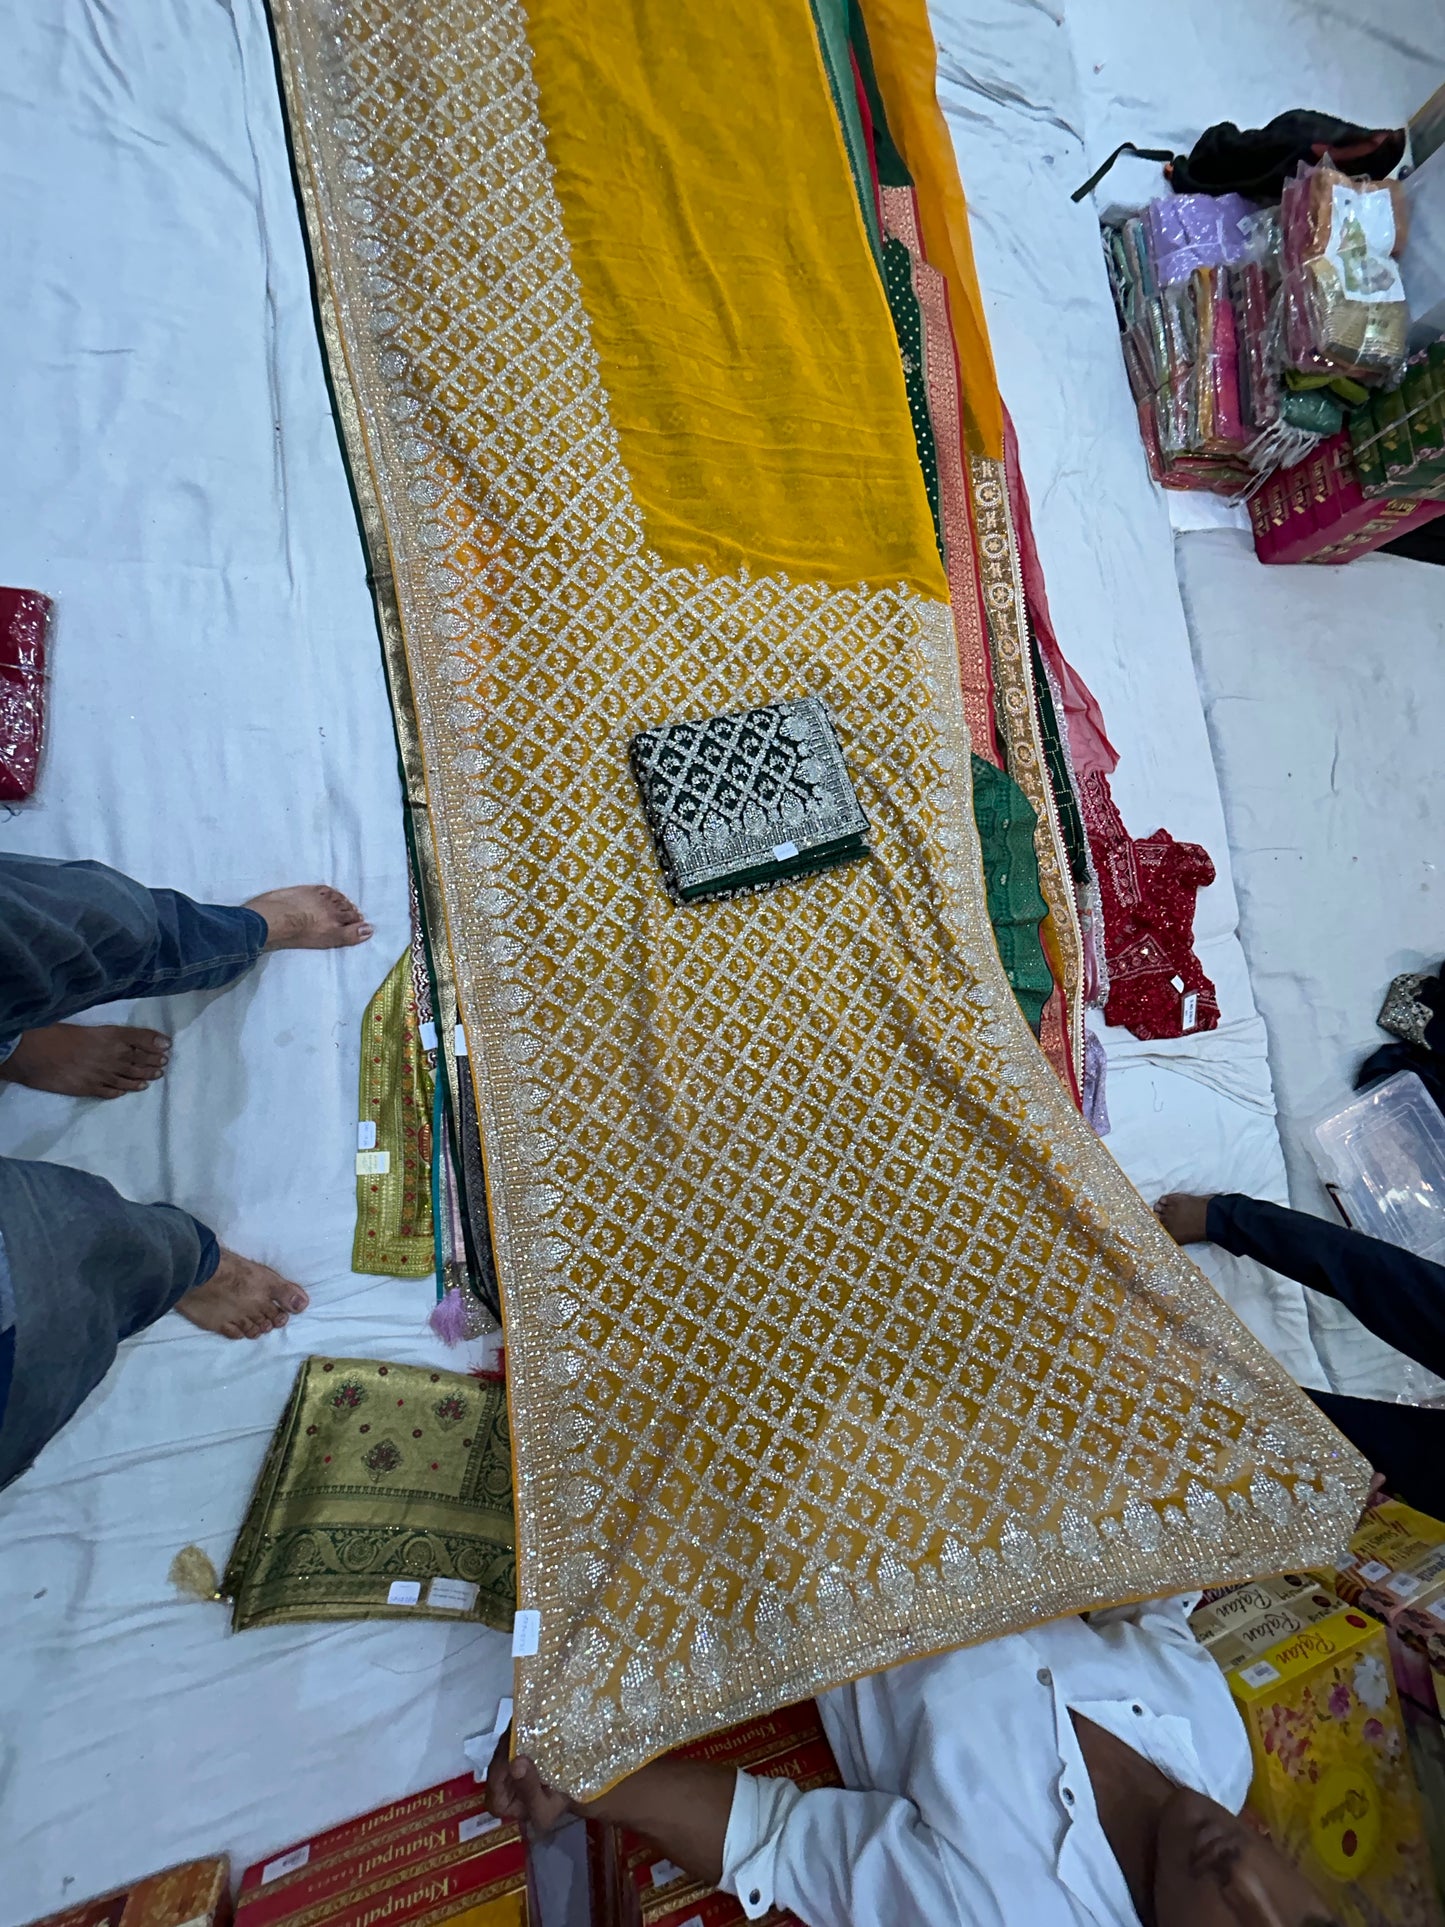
754 1897
1138 1710
1045 1677
1068 1796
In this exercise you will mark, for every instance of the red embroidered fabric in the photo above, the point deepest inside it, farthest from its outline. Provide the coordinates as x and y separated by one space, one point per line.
1157 987
24 618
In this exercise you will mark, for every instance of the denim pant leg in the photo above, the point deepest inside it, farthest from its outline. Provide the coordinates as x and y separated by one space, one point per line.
86 1269
73 935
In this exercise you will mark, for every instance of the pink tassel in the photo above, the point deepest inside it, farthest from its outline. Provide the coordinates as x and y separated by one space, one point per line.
449 1318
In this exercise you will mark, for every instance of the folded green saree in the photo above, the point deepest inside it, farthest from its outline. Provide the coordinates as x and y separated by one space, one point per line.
386 1494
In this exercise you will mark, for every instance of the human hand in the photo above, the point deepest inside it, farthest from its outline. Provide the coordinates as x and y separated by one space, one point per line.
517 1792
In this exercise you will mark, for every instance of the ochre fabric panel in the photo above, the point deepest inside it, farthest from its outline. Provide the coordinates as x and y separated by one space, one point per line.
905 60
744 340
834 1335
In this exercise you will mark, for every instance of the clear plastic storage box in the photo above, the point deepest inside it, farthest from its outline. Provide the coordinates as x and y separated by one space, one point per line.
1382 1159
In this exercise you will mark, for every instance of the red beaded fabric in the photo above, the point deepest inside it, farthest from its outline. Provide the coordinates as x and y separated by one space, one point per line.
1147 887
24 617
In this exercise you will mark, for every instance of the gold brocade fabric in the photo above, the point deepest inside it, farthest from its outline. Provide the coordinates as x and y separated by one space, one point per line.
393 1204
385 1494
834 1336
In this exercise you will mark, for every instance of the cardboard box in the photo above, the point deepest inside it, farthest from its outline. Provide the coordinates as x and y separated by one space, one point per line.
1396 1571
1241 1644
633 1885
1329 518
436 1856
195 1894
1332 1776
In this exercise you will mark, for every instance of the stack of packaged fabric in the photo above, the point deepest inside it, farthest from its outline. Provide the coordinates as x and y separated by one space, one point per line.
431 1858
1332 1783
1188 288
1318 510
1398 437
1247 332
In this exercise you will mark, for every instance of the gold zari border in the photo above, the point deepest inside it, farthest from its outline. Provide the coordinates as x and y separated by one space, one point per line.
834 1337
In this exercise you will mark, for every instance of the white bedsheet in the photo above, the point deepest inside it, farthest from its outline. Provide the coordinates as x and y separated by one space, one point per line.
218 722
1324 690
170 473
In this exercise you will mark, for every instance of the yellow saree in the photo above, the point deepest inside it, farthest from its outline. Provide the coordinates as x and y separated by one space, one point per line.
834 1336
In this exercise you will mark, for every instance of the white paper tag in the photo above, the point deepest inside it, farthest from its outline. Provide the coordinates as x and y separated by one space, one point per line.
782 851
693 1920
1360 243
366 1134
452 1595
373 1164
1437 1611
459 1042
285 1863
1260 1674
664 1873
404 1592
526 1633
428 1035
1405 1585
1191 1009
479 1747
1178 983
1373 1570
476 1825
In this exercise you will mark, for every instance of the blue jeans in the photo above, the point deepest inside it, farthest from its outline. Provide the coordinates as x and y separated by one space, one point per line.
82 1268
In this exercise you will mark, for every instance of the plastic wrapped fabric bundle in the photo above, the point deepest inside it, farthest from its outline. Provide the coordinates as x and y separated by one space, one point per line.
1191 231
1345 311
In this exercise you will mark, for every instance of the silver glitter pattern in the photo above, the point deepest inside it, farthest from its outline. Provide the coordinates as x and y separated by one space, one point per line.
834 1336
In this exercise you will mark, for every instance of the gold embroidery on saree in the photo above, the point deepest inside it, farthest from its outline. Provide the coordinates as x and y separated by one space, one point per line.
834 1336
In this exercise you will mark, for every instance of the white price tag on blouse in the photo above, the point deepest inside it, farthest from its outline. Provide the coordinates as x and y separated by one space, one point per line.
459 1042
1191 1010
1373 1570
428 1034
373 1164
366 1134
526 1633
664 1873
404 1592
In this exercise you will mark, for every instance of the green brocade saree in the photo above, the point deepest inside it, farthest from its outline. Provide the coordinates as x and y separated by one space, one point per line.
386 1494
1016 907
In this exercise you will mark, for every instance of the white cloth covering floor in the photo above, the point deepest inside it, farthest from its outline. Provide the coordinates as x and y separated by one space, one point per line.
1334 822
218 722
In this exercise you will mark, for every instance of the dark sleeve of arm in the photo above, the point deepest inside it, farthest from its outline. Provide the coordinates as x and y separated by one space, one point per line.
1396 1295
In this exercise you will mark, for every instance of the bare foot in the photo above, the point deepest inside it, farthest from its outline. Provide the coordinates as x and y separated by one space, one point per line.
310 916
242 1299
88 1060
1184 1217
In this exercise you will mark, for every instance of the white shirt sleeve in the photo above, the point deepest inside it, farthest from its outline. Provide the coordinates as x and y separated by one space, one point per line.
832 1856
